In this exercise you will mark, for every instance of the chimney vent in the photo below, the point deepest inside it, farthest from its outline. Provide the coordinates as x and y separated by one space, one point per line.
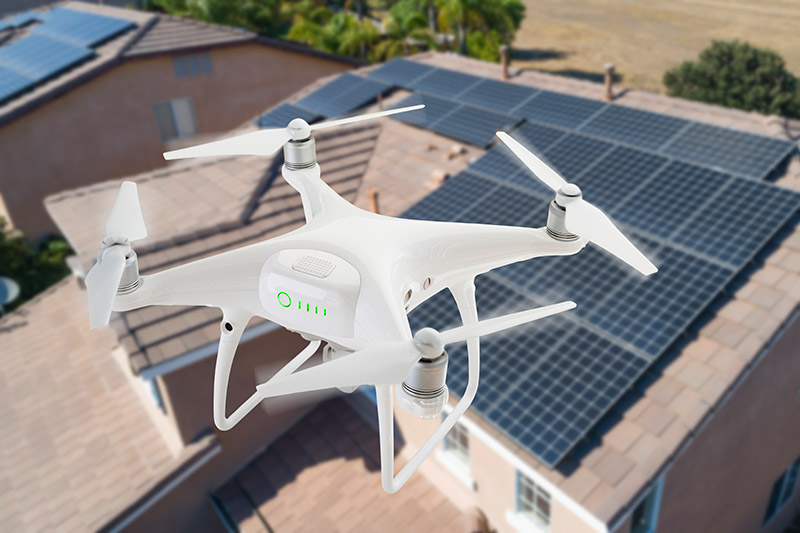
373 200
504 61
609 80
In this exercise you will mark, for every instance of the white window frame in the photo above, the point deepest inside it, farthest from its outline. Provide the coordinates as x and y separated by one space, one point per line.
455 457
652 503
788 480
173 104
529 520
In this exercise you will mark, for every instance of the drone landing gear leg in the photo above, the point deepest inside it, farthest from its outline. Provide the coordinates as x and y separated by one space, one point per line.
232 327
464 294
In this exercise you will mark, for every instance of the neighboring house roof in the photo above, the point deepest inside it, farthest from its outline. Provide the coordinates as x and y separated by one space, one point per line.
78 446
154 34
630 445
326 472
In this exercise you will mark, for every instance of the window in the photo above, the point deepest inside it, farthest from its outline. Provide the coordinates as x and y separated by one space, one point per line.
645 515
456 443
533 502
192 65
175 119
782 490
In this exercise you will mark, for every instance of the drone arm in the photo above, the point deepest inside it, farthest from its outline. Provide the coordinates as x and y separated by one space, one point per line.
464 294
232 327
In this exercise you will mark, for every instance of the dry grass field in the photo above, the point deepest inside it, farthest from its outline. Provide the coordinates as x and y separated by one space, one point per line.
644 38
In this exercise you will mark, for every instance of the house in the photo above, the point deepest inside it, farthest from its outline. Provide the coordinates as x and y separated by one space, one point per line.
154 79
692 420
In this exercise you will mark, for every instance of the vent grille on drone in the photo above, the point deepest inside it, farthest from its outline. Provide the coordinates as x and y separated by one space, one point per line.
314 266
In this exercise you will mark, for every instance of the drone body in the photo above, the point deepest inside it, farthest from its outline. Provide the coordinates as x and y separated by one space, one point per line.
348 278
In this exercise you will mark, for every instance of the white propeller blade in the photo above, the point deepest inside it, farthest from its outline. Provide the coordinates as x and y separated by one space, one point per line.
589 222
126 215
542 170
267 142
493 325
583 219
391 362
101 284
261 142
359 118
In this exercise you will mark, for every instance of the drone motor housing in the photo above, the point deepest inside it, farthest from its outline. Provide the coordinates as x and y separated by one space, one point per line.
311 291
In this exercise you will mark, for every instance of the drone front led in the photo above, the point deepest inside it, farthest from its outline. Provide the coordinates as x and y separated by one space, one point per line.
311 291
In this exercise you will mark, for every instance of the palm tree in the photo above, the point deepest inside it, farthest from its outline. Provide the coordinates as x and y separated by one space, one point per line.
406 32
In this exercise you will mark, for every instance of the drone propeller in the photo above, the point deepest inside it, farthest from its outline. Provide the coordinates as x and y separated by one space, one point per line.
267 142
391 362
124 225
582 218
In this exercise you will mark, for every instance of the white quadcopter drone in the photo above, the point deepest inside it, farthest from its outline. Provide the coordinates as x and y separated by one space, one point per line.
348 277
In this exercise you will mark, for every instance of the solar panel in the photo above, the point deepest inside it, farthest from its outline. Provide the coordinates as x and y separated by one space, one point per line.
443 82
616 174
453 197
342 95
435 109
39 58
497 95
574 153
738 220
283 114
22 19
504 206
474 125
558 109
634 126
665 202
12 83
80 28
739 152
400 71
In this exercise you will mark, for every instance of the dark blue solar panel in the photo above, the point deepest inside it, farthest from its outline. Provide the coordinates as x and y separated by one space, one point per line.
735 223
497 95
435 109
504 206
615 175
474 125
283 114
558 109
80 28
575 153
342 95
22 19
739 152
39 58
634 126
452 198
443 82
665 202
12 83
400 72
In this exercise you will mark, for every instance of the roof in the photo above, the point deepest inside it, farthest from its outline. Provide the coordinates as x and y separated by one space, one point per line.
647 427
326 470
77 443
154 34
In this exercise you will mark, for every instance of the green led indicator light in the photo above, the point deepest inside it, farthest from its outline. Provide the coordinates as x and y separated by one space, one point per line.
284 299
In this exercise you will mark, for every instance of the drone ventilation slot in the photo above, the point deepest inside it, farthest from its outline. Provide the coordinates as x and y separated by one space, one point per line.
314 266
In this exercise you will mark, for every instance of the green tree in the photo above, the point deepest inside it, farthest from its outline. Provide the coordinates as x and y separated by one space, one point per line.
736 74
497 20
407 31
34 268
262 16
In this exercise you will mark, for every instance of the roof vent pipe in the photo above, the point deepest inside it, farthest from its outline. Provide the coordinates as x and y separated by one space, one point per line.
608 68
504 61
373 200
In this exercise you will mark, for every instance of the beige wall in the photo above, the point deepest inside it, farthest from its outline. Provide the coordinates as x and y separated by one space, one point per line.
723 480
105 128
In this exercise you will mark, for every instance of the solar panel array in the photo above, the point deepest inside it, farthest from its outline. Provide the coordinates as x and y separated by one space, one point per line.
34 59
280 116
548 384
343 94
725 149
80 28
62 40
